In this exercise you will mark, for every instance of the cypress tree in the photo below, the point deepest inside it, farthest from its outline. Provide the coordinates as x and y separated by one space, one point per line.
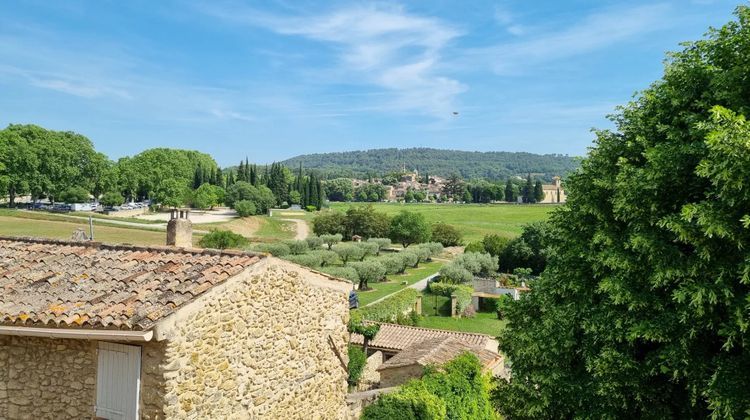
538 191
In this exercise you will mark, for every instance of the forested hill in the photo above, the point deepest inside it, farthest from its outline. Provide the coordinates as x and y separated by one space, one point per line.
490 165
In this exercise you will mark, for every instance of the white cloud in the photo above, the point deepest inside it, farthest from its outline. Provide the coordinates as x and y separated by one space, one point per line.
596 31
377 45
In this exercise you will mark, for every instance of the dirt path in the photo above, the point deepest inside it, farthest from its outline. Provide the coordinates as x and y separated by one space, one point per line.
303 230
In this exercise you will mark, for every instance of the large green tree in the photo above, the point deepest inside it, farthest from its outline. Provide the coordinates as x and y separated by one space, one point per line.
643 310
408 228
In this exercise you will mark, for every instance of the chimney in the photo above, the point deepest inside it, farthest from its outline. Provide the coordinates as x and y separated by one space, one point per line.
180 229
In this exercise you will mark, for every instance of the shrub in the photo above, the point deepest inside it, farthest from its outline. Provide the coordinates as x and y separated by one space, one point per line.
348 252
475 247
357 361
456 273
436 248
314 242
326 257
329 222
410 258
368 271
447 235
382 243
408 228
112 199
222 239
463 298
368 248
495 244
331 239
75 195
347 273
394 264
277 250
387 310
477 263
297 247
459 390
245 208
308 260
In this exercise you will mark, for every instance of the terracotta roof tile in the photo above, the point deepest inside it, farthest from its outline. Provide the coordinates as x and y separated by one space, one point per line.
399 337
437 351
77 284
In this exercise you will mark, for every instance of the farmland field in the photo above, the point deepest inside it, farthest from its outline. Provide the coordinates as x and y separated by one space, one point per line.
474 220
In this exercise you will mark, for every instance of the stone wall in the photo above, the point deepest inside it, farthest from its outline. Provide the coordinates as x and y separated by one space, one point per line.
44 378
370 377
258 348
399 375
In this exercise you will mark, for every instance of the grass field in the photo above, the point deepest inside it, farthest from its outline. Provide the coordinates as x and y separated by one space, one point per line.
393 283
474 220
18 226
483 323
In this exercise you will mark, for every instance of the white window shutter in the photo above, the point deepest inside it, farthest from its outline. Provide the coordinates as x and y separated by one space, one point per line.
118 381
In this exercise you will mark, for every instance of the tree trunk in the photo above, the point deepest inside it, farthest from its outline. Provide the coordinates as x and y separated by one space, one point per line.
11 197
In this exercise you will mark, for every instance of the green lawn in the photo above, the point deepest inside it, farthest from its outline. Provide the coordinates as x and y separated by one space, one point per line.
19 226
483 322
474 220
393 283
273 228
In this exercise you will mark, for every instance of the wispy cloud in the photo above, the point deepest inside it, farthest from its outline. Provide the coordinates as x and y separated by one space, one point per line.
376 45
505 18
595 31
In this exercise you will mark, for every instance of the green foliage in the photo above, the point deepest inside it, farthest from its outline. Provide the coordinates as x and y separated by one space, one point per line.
368 248
368 271
75 195
478 264
538 191
295 197
475 247
314 242
207 196
339 189
382 243
297 247
393 264
329 222
347 273
410 258
370 192
331 239
435 248
348 252
357 361
456 273
112 199
326 257
261 196
312 260
408 228
222 239
460 390
275 249
446 234
171 192
493 244
493 165
366 222
388 309
245 208
642 309
528 250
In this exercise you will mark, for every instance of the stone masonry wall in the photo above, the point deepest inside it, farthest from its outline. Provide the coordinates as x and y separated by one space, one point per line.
400 375
259 348
44 378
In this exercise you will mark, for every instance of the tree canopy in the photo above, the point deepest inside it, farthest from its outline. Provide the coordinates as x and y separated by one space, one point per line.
642 311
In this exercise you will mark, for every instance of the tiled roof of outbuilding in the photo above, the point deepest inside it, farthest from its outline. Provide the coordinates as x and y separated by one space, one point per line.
47 282
398 337
437 351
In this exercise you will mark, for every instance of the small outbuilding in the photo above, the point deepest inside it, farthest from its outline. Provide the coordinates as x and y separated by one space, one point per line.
411 362
89 330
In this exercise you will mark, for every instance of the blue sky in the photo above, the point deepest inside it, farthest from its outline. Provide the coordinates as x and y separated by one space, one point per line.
271 80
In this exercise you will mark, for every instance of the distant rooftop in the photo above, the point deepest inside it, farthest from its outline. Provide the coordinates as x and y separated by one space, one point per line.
437 351
395 337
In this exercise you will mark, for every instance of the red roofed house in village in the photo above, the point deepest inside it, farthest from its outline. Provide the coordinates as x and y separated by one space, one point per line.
122 332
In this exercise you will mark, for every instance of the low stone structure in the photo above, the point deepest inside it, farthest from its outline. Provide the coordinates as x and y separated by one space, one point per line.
167 333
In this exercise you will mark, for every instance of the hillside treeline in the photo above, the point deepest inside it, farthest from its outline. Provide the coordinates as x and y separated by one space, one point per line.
469 165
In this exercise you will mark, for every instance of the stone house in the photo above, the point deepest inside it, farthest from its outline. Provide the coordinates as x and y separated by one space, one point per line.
411 362
89 330
554 193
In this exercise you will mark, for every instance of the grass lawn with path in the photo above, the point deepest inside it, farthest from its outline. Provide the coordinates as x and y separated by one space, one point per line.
474 220
394 282
436 311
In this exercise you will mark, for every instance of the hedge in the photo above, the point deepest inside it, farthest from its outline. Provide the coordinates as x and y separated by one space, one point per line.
389 309
347 273
357 361
308 260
